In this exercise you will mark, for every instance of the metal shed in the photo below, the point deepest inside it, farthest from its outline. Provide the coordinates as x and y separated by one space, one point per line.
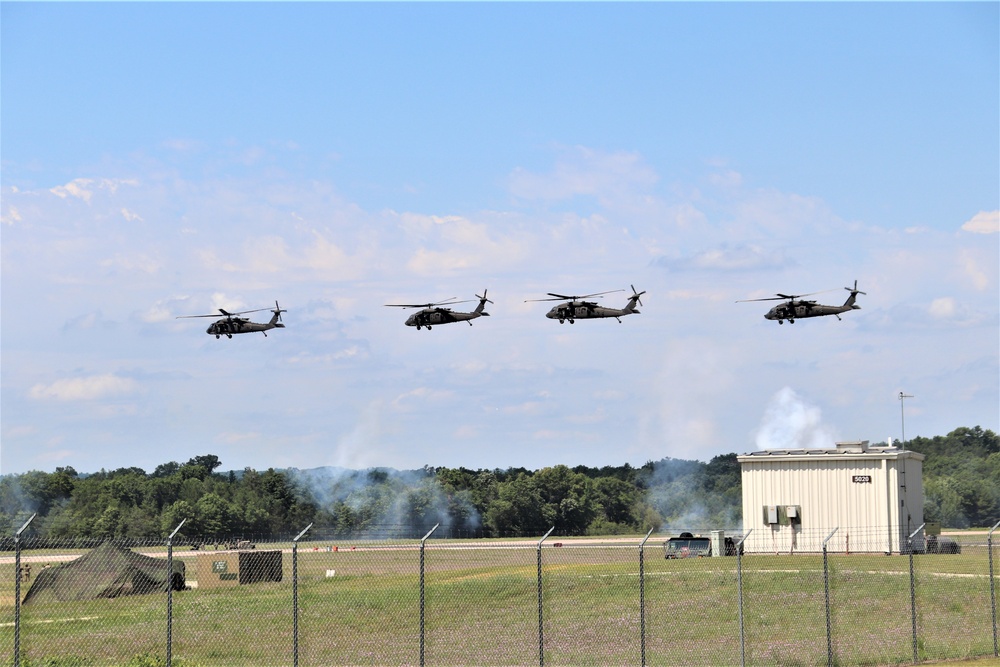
870 498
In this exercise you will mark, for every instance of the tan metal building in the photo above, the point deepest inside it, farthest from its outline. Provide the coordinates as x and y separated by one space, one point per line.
855 497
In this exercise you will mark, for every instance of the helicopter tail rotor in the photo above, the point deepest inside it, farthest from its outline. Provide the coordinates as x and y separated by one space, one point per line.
855 289
854 293
276 318
636 295
482 304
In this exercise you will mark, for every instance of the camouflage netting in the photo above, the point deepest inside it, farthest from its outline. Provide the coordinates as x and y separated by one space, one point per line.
108 571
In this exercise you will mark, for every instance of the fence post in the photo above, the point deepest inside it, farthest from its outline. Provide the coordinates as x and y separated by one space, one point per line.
913 593
642 601
993 595
17 594
170 590
422 592
295 595
541 631
739 594
826 593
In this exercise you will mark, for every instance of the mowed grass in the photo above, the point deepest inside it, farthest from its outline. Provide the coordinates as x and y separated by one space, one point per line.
481 606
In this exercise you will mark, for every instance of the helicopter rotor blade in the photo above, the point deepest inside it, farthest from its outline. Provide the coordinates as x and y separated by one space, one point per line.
242 312
574 297
227 314
785 297
770 298
447 302
855 290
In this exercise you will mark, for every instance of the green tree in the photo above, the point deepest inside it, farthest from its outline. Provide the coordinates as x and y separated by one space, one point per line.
212 516
617 500
208 461
181 510
517 509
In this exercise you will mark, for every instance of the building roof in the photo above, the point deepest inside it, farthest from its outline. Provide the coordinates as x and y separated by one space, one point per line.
844 450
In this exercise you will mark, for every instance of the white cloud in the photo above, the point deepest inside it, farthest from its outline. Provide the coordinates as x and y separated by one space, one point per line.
19 431
11 216
984 222
422 396
583 171
222 302
163 309
331 261
790 215
83 188
131 216
455 243
737 258
351 352
56 456
466 432
234 437
953 312
137 262
273 255
78 188
84 388
978 271
943 308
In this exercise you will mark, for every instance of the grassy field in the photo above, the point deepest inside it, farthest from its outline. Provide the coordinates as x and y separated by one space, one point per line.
481 606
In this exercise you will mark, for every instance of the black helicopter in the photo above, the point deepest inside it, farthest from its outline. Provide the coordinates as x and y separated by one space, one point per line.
576 309
795 308
232 323
436 313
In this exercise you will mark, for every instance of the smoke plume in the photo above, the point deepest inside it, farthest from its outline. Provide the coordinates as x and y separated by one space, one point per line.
790 422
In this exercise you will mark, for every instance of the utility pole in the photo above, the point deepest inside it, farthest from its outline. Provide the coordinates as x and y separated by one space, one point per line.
902 416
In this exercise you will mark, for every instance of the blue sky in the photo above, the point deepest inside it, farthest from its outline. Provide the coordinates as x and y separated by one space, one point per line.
165 159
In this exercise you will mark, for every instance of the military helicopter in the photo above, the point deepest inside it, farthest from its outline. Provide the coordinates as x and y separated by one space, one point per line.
436 313
793 308
232 323
575 309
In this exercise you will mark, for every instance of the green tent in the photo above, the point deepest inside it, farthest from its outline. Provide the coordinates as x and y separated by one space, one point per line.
109 571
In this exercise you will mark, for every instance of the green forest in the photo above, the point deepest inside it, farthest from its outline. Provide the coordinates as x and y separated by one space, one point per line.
961 489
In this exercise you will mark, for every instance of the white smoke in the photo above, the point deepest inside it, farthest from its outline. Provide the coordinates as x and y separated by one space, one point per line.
390 502
790 422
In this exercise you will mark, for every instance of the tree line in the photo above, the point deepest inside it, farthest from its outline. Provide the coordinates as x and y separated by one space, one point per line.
961 487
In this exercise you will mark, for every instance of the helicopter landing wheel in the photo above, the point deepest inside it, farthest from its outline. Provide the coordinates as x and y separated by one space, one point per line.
791 321
572 321
216 336
428 327
229 336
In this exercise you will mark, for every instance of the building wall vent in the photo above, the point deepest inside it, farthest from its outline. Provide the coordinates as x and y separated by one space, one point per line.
853 446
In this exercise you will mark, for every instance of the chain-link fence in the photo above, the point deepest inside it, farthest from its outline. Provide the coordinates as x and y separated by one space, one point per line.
546 600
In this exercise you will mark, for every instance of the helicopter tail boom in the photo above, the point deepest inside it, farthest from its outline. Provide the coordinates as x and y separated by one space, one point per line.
850 303
276 317
630 307
482 304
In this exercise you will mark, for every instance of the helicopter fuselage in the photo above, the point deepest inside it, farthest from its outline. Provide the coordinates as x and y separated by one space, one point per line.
585 310
430 316
803 309
240 325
